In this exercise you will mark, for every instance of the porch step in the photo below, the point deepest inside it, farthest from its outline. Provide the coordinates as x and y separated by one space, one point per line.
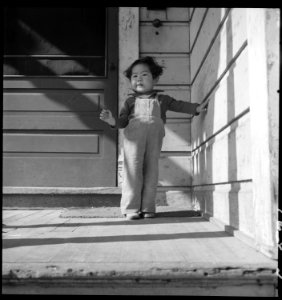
66 197
58 197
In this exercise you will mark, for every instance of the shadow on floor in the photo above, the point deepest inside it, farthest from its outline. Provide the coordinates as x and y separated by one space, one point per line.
21 242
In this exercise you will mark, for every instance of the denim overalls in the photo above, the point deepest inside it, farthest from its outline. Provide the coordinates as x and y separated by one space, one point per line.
143 139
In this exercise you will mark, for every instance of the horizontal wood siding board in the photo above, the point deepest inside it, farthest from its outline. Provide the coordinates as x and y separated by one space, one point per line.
164 23
57 100
177 115
52 121
167 38
175 170
178 93
53 83
51 143
177 135
176 68
173 14
67 170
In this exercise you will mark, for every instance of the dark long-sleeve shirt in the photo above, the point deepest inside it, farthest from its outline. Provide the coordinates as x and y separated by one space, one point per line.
166 103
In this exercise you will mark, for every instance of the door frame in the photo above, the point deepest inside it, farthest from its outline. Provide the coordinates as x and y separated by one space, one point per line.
128 45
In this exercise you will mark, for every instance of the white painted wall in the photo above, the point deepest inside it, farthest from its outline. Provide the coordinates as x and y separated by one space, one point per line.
227 140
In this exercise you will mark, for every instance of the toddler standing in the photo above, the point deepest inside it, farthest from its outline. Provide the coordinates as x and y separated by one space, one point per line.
143 116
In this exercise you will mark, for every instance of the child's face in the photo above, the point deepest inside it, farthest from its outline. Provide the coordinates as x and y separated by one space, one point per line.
142 79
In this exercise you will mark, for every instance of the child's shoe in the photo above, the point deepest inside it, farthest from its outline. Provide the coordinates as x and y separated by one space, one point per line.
134 216
148 215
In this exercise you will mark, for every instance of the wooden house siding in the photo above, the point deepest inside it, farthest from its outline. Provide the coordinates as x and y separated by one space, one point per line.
222 138
221 146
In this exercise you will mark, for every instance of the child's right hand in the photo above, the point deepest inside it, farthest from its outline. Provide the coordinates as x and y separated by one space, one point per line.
107 116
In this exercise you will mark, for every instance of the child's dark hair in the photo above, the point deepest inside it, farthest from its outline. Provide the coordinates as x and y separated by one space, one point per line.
154 67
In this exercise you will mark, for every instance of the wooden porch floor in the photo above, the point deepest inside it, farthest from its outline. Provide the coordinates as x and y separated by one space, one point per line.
39 244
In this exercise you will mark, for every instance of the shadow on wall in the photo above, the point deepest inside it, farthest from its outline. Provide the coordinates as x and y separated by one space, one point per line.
12 243
208 189
203 128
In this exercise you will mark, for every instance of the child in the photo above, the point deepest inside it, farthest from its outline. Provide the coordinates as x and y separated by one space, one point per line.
143 116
